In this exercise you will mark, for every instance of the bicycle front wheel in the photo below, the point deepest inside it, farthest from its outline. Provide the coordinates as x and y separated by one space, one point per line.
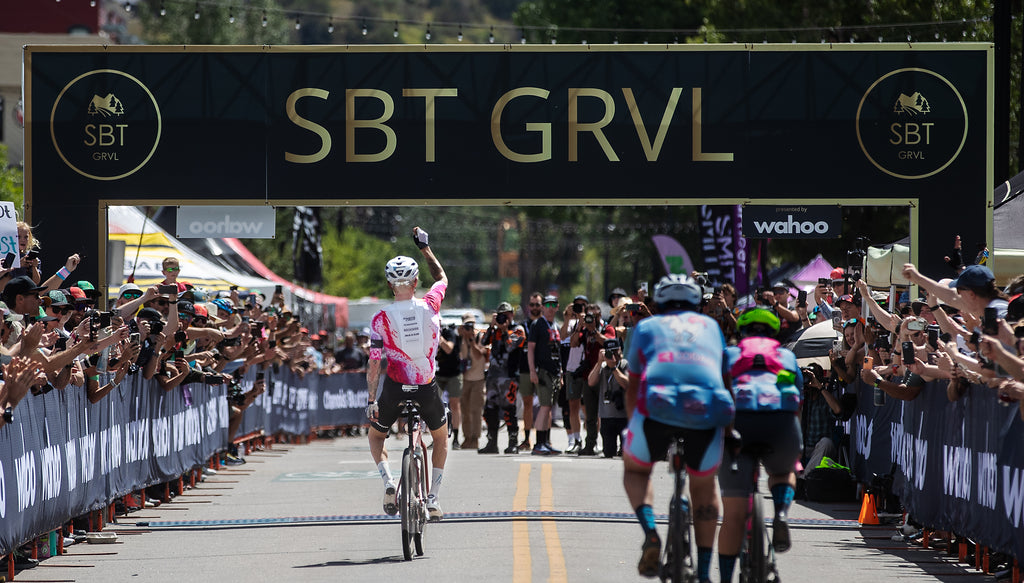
677 551
407 503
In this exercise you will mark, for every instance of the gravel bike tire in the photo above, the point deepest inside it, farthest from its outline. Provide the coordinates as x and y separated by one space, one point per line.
407 505
421 518
753 561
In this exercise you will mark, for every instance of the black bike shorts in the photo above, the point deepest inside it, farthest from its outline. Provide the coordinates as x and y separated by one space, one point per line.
392 395
775 432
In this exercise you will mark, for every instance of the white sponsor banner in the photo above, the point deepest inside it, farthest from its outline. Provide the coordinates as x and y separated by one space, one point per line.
219 222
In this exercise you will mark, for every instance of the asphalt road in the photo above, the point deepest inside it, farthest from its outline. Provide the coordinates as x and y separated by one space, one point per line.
313 513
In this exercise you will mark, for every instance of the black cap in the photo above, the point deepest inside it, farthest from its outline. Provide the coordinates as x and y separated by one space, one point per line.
187 307
21 285
581 297
617 292
149 314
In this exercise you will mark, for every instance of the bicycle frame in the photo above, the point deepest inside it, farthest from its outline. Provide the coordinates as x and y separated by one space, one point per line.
757 556
677 563
412 488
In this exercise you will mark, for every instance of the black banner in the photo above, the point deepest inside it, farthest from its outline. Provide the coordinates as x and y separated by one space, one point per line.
792 222
562 125
961 464
64 456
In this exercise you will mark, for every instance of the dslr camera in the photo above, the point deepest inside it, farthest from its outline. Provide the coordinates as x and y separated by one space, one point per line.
612 348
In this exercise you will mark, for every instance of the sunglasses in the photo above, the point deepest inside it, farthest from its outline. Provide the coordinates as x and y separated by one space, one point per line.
62 310
199 320
131 295
534 305
551 305
184 316
81 307
172 269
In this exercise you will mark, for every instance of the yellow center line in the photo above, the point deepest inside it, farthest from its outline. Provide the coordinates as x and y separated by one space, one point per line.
556 561
521 562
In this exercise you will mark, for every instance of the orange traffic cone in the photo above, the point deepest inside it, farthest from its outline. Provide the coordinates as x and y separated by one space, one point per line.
868 512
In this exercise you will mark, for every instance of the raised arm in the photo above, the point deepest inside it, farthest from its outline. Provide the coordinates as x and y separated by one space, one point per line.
436 271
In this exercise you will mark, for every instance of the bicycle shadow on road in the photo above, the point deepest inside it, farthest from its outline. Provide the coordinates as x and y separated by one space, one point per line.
354 563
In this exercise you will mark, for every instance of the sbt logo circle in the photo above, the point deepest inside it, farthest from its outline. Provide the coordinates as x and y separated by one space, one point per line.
791 226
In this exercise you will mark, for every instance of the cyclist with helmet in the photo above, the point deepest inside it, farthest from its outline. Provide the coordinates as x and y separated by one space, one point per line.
407 333
767 384
677 387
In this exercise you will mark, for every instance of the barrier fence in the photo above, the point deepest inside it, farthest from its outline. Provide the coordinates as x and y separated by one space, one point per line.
64 456
960 465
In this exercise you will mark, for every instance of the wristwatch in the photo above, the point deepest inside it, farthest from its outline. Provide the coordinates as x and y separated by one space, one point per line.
878 382
9 414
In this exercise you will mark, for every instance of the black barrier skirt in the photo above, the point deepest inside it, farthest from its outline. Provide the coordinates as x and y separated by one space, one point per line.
960 465
64 456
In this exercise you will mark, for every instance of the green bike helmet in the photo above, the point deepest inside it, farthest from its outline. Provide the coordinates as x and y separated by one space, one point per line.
758 321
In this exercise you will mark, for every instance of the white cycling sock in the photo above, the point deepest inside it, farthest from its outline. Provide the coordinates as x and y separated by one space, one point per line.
435 482
385 471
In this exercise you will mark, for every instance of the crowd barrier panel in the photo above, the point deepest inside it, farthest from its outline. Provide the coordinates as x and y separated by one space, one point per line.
960 465
63 456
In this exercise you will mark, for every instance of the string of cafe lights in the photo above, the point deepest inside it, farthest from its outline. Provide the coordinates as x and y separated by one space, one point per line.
937 30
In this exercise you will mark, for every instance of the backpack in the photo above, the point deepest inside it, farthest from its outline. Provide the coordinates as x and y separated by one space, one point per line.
761 381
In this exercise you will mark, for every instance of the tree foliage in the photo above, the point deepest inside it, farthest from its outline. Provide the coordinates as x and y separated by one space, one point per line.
12 181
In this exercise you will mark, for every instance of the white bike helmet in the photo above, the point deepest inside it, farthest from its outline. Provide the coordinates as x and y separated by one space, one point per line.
677 288
401 269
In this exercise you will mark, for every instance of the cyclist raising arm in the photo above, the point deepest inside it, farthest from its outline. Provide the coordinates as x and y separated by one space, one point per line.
407 333
677 386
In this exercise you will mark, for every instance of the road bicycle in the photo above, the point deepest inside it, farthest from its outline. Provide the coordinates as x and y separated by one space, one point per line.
757 557
677 563
412 488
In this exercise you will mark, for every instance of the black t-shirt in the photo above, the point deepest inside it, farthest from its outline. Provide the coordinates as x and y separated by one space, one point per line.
520 355
448 364
545 353
351 358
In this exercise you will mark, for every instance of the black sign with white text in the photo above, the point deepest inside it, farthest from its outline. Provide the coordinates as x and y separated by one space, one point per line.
792 222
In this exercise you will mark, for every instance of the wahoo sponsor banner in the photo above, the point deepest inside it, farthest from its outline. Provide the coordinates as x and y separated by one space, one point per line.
960 465
792 222
219 222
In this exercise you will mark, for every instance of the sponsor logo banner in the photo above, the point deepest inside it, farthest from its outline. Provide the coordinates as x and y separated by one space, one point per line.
792 222
218 222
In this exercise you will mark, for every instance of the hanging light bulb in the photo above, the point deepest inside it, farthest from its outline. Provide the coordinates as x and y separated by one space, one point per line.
92 3
583 42
298 24
196 15
460 33
615 40
127 6
428 31
163 9
396 29
264 19
490 39
231 15
365 30
522 37
330 26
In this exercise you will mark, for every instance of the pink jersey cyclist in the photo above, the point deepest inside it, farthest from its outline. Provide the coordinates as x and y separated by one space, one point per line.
409 331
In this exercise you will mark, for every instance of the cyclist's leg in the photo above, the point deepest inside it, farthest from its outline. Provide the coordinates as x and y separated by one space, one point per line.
703 454
736 489
780 463
637 461
432 412
387 413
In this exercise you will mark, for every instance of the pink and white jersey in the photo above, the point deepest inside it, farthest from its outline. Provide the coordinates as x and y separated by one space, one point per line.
409 331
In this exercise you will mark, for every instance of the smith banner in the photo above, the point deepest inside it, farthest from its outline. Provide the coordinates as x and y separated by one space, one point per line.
500 124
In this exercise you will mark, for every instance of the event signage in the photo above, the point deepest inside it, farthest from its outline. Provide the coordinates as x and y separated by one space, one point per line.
792 222
218 222
787 125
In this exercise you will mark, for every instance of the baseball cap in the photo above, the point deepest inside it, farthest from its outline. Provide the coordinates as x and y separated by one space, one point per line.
149 314
77 294
187 307
549 299
617 292
504 307
222 304
837 273
58 298
21 285
200 311
468 317
363 332
88 289
128 287
581 297
973 276
846 298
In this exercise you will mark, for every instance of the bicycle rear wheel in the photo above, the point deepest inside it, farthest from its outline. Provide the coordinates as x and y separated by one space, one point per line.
407 503
421 516
753 561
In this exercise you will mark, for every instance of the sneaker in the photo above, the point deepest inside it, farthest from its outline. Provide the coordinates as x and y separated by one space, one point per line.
512 449
434 508
588 451
455 444
552 450
491 447
209 471
780 533
575 447
390 499
650 557
525 445
541 449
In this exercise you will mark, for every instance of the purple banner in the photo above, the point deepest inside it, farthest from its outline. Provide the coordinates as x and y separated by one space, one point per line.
723 247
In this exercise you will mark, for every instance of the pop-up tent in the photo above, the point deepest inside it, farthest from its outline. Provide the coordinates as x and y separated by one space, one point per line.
146 246
1008 229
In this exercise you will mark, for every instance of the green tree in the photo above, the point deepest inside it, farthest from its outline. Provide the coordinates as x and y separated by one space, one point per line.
12 181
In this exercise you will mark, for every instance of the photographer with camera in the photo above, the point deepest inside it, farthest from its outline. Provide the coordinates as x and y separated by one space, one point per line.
824 404
503 338
473 361
449 372
579 347
609 379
